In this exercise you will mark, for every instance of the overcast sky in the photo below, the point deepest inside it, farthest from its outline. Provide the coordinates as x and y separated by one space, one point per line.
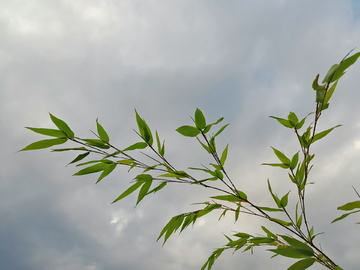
243 60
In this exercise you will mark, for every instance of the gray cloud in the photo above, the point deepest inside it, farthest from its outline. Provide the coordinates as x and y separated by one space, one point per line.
243 60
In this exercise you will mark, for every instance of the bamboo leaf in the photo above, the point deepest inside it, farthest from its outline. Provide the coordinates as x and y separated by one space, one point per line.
224 155
79 157
284 122
344 216
322 134
49 132
199 120
292 252
220 130
188 131
44 144
302 264
144 191
139 145
129 190
106 172
102 133
62 126
92 169
349 206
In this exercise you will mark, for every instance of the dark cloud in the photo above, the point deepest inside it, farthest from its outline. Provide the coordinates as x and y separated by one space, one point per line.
243 60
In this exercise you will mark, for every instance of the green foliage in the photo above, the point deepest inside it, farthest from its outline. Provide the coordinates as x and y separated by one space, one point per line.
297 244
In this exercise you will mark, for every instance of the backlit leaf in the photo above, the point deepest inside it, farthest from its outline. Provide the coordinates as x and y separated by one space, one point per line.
102 133
349 206
129 190
188 131
62 126
302 264
139 145
199 120
49 132
44 144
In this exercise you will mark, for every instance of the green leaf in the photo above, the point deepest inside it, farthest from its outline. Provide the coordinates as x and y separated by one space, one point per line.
241 194
188 131
294 161
296 243
224 155
144 177
292 252
139 145
237 212
129 190
281 221
44 144
349 206
79 157
62 126
330 92
144 129
159 187
316 85
102 133
221 130
302 264
205 146
276 165
344 216
269 234
261 240
106 172
92 169
282 157
144 191
293 120
269 209
330 74
199 120
344 65
161 149
284 122
276 199
96 142
229 198
284 200
69 149
49 132
322 134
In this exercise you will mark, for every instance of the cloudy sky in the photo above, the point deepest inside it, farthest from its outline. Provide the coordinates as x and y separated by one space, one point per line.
243 60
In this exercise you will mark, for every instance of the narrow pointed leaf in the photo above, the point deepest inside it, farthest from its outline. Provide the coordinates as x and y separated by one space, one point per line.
49 132
344 216
221 130
344 65
296 243
44 144
129 190
92 169
302 264
224 155
284 122
79 157
106 172
139 145
62 126
293 252
199 120
322 134
350 206
144 191
102 133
